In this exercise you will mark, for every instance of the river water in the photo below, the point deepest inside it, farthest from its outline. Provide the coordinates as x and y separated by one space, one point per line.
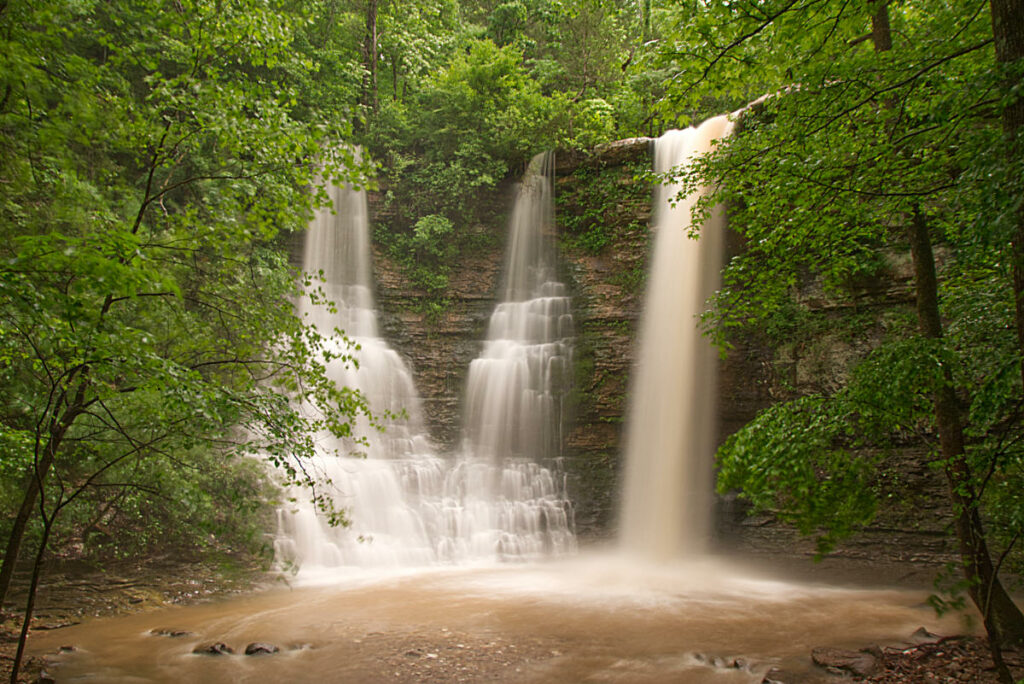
590 619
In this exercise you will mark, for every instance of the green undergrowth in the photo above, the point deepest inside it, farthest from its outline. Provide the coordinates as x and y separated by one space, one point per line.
596 206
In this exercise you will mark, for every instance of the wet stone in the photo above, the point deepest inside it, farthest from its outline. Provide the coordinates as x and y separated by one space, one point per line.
923 636
173 633
777 676
217 648
260 648
863 663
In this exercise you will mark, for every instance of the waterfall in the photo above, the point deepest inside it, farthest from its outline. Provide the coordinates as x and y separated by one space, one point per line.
670 433
517 387
501 498
390 487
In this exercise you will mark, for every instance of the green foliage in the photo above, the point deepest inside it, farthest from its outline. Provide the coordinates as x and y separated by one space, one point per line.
796 458
596 195
446 150
824 174
632 280
813 459
427 253
474 93
507 22
591 122
150 158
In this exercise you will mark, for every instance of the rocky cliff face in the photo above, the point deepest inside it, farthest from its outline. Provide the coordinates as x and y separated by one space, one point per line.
439 346
913 520
602 210
606 279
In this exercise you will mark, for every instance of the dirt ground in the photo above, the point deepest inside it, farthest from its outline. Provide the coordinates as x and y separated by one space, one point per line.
954 659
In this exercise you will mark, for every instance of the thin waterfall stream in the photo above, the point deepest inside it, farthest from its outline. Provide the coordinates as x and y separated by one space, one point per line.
517 387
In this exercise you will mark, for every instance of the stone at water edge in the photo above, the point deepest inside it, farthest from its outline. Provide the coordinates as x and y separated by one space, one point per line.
863 663
217 648
779 676
172 633
923 636
260 648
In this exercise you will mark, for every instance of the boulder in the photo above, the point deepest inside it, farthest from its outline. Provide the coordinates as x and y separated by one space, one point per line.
260 648
923 636
620 152
863 663
217 648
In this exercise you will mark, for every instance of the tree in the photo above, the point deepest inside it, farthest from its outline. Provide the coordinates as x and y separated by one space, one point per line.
371 54
151 157
415 39
853 152
1008 36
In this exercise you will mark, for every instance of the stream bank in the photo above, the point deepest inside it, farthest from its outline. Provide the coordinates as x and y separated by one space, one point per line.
73 592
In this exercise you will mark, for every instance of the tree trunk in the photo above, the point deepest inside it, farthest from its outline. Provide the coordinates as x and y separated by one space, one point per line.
1008 36
30 604
16 536
370 54
28 502
1003 620
881 34
42 465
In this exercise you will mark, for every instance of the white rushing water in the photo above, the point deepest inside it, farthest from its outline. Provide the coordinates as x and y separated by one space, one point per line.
666 495
409 507
387 487
517 387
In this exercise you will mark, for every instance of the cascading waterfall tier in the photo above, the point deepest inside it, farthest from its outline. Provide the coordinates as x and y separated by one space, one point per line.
389 487
407 506
516 389
665 510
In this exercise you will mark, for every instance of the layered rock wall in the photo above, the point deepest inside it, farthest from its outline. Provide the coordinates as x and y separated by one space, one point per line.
603 204
439 345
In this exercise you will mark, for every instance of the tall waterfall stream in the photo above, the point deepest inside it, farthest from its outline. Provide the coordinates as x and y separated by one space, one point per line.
414 590
671 422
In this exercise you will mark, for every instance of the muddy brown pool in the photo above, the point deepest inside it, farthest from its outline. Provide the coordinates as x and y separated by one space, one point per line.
591 619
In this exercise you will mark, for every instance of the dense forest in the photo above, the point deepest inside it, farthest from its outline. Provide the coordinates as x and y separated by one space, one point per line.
155 156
